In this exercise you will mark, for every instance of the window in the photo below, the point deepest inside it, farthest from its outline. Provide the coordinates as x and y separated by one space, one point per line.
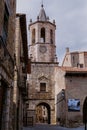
42 34
42 87
73 58
33 36
5 24
51 36
81 65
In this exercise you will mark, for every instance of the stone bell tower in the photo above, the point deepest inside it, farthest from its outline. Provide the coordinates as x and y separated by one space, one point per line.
42 39
42 51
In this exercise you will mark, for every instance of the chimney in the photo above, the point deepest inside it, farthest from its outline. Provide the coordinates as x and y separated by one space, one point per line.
67 50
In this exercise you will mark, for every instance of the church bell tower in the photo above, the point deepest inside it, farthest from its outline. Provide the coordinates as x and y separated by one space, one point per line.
42 39
42 52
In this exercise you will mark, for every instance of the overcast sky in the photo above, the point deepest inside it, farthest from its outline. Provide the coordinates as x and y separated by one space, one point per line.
70 17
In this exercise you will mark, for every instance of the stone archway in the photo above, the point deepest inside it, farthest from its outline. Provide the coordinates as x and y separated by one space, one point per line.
43 113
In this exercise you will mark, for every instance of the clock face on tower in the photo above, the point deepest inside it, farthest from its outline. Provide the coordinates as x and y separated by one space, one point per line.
42 49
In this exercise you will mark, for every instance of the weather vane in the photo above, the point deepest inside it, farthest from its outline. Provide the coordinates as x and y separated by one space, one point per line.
42 3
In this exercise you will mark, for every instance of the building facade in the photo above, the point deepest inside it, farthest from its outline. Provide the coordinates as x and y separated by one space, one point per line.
71 93
7 37
74 75
42 51
60 92
75 59
20 91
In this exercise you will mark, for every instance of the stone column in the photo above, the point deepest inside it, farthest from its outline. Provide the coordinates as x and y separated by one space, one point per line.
53 118
15 100
6 111
37 34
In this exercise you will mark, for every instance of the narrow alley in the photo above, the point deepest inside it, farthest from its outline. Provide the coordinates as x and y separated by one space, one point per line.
41 86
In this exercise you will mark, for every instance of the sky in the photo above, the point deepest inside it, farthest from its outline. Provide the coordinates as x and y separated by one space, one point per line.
71 21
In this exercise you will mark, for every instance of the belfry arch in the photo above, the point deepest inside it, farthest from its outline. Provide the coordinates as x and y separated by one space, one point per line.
51 36
43 113
33 35
42 34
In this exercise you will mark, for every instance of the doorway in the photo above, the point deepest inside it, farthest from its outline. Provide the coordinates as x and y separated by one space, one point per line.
3 89
43 113
85 111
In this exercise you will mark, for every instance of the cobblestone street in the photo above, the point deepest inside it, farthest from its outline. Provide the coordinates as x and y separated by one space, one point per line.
51 127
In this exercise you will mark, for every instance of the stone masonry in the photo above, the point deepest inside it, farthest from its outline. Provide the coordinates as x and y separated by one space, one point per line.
42 51
42 73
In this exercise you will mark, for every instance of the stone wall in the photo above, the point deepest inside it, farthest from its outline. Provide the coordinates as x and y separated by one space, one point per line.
75 87
7 36
1 15
36 49
42 73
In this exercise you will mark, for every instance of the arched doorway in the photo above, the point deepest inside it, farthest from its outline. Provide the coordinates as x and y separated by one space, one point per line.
85 112
43 113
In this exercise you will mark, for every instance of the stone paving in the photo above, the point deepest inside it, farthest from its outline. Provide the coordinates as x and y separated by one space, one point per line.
51 127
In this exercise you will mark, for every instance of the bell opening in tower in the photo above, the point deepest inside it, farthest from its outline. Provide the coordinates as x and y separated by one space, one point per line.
42 39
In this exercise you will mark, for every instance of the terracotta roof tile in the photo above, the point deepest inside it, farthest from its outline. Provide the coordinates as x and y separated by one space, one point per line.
73 69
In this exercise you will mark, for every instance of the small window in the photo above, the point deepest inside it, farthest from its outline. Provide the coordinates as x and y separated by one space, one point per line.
42 87
51 36
73 59
33 36
81 65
